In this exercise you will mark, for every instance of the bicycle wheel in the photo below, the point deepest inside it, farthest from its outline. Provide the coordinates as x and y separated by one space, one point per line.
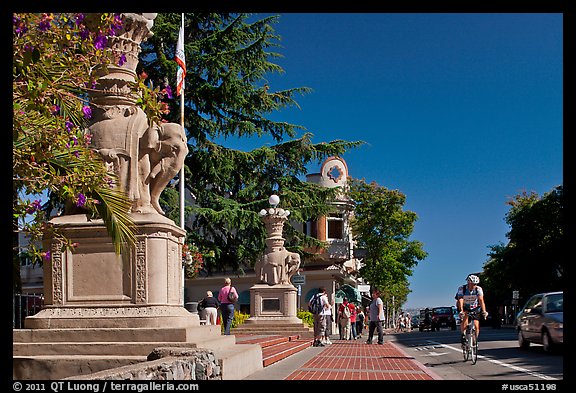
474 347
466 348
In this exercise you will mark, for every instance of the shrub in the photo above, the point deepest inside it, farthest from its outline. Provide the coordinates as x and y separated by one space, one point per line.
306 316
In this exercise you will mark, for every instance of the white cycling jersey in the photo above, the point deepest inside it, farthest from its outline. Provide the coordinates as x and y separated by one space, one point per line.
470 296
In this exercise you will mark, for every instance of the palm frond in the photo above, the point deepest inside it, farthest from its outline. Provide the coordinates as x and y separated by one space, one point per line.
114 212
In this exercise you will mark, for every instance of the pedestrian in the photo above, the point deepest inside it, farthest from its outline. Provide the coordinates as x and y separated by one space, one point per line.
408 322
340 335
345 312
227 297
319 306
400 324
359 321
329 319
352 321
209 306
376 318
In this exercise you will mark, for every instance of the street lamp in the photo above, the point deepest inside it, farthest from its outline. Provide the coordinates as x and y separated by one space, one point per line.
274 200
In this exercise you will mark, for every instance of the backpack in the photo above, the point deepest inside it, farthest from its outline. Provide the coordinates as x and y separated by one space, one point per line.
315 305
346 312
232 296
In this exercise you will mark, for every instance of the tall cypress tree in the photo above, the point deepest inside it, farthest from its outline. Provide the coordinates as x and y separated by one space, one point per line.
226 95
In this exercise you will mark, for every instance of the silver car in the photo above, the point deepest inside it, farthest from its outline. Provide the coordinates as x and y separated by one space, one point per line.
541 321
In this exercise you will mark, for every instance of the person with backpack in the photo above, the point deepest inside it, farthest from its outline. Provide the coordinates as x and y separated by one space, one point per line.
227 297
345 313
319 306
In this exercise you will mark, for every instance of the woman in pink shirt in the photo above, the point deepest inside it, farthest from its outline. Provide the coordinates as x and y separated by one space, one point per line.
227 304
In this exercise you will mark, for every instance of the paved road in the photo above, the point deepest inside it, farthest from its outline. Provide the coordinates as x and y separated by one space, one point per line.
421 356
499 356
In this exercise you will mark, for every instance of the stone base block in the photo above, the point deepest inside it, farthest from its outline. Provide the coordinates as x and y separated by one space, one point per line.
112 317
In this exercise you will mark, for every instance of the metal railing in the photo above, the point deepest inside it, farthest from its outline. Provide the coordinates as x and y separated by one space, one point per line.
25 305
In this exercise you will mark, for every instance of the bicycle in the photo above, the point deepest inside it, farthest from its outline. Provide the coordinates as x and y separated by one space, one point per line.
470 346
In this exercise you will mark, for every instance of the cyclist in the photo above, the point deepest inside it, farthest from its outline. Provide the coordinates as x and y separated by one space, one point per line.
470 297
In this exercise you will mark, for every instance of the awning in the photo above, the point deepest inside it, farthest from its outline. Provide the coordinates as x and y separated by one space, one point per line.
350 292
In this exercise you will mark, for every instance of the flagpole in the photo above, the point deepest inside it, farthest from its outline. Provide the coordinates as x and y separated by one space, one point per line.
182 169
180 46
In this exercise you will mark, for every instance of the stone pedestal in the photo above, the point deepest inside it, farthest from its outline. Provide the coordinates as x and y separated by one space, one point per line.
91 286
273 304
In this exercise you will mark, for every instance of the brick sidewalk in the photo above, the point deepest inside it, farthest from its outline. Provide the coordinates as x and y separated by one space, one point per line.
355 360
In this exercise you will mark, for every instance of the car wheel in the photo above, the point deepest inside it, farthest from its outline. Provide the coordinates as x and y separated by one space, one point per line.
522 342
547 342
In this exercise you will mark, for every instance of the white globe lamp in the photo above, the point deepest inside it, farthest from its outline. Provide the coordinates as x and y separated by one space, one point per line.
274 200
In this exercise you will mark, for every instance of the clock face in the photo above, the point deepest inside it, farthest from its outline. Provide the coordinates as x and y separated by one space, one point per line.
335 173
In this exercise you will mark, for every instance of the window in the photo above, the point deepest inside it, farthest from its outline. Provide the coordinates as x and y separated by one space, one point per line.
335 222
310 228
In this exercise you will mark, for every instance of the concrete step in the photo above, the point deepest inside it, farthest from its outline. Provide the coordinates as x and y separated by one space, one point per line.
276 347
186 334
60 367
60 353
239 361
275 353
113 348
273 330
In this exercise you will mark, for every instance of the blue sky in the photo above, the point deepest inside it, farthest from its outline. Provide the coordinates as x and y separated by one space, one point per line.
460 112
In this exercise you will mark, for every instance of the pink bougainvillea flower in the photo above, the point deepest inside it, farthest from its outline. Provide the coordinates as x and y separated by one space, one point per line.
88 139
81 200
34 206
122 60
45 22
168 90
87 112
100 41
80 19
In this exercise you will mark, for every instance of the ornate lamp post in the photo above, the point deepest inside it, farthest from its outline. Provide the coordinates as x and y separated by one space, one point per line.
273 297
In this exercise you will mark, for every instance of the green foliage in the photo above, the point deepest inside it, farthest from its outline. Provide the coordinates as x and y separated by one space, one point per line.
306 316
240 318
53 58
535 248
227 95
382 229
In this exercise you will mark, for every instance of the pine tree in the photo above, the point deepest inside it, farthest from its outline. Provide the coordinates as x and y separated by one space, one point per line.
227 95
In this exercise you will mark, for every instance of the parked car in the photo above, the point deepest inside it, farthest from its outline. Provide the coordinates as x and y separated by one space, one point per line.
443 317
541 321
415 321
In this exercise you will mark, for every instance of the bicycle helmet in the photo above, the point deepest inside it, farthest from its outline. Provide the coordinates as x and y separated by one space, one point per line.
473 278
